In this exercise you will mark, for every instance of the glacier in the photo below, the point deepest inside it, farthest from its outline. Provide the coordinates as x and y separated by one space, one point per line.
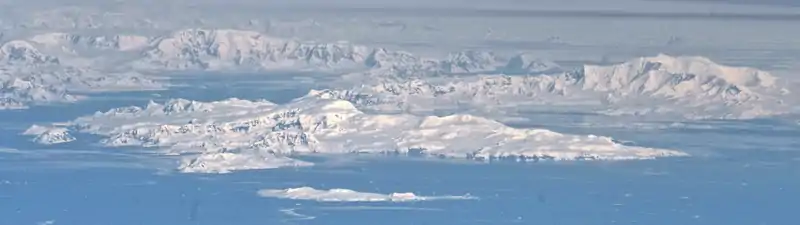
235 134
347 195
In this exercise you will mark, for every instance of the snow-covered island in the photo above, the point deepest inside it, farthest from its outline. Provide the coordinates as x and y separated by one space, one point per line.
347 195
236 134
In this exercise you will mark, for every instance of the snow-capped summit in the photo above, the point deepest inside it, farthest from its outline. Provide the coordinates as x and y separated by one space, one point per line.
11 103
399 64
529 64
54 39
37 71
262 134
742 76
183 105
678 78
22 52
688 87
17 92
119 42
470 61
226 49
218 49
49 135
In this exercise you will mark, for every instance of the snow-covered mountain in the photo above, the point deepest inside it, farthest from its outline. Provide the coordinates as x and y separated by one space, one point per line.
21 87
255 132
397 64
677 77
20 52
49 135
224 49
221 49
118 42
17 92
692 87
527 63
29 76
232 50
688 87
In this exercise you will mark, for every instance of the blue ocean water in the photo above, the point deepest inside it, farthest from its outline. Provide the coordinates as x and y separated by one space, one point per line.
740 173
685 191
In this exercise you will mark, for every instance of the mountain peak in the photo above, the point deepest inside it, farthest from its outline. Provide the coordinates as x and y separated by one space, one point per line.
218 49
697 65
527 63
23 52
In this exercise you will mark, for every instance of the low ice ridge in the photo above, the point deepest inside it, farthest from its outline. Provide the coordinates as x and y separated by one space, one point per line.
237 134
347 195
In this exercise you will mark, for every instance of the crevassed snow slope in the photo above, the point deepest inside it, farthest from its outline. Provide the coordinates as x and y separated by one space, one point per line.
347 195
233 130
76 42
687 87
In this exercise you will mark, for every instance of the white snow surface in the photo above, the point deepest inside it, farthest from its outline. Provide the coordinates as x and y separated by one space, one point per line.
239 134
49 135
235 50
55 67
688 87
30 76
227 49
221 49
117 42
347 195
226 162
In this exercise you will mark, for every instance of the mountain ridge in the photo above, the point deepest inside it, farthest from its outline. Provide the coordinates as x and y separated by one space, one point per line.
207 133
